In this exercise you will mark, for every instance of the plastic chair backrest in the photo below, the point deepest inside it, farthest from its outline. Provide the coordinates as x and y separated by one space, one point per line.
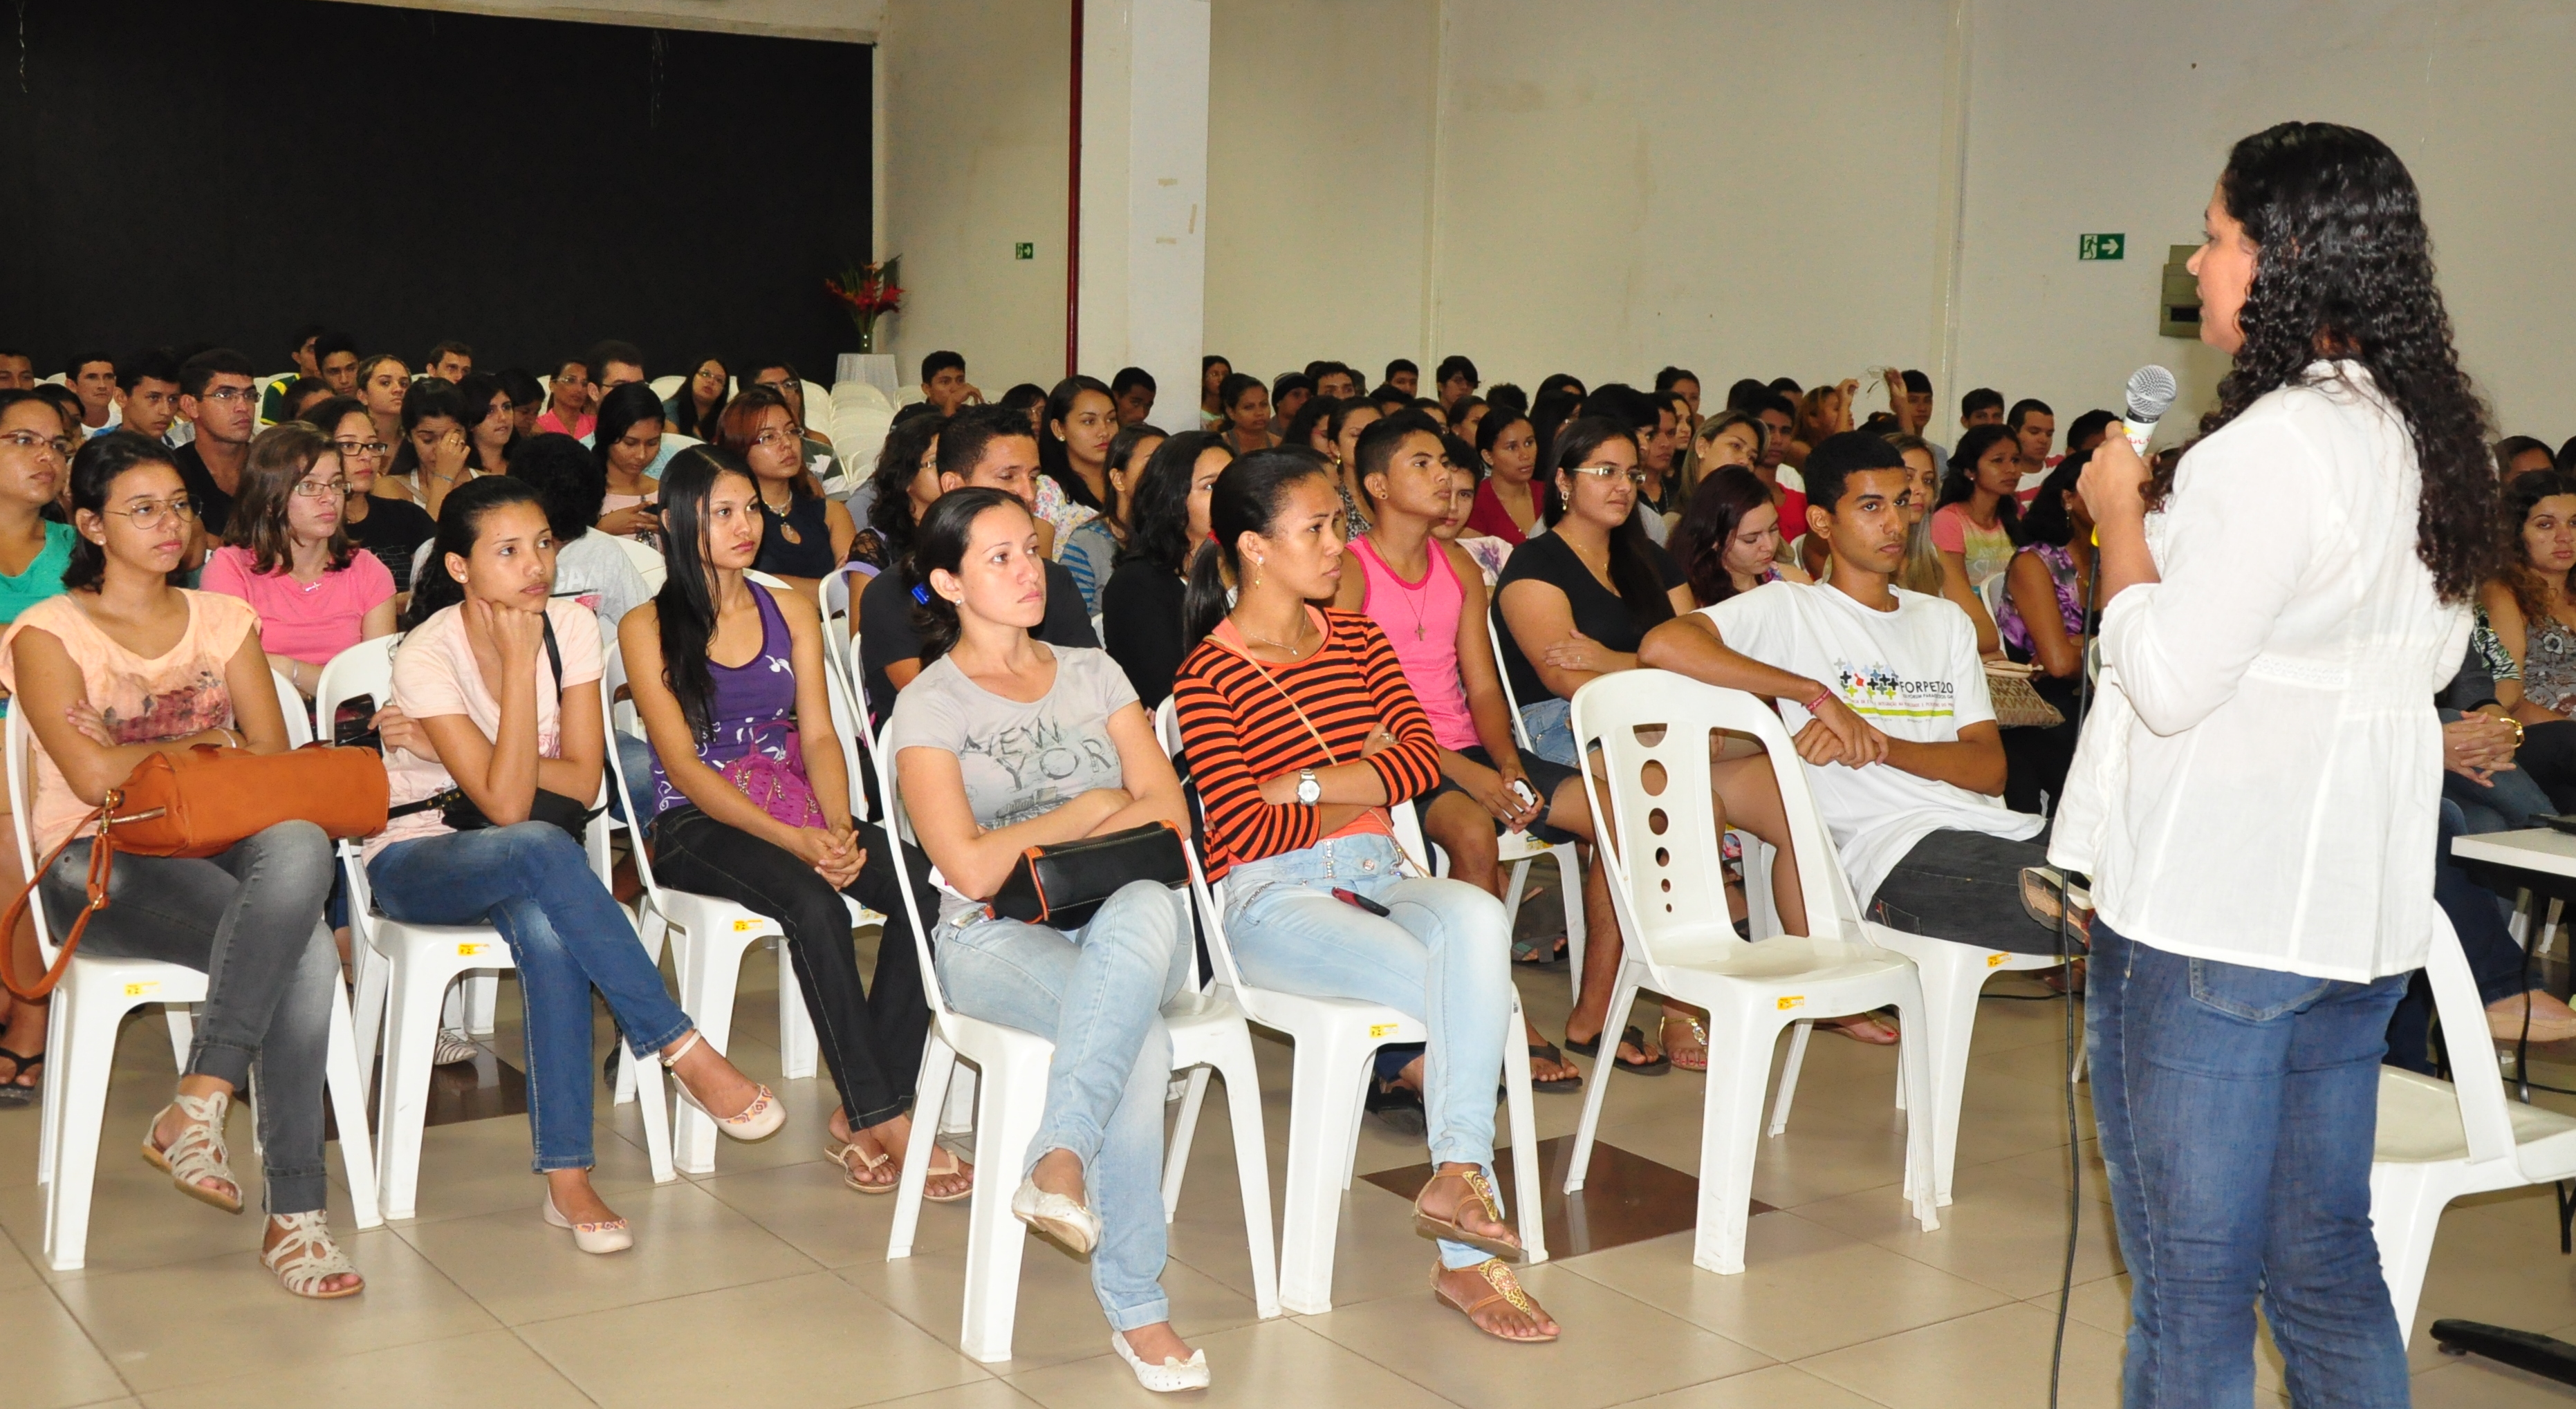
22 789
1663 862
366 668
2484 1118
291 704
857 394
898 829
818 407
1991 593
666 387
1512 702
647 560
612 678
1211 906
849 728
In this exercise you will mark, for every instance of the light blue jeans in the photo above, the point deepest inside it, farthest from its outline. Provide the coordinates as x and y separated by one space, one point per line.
1098 994
1443 956
1551 731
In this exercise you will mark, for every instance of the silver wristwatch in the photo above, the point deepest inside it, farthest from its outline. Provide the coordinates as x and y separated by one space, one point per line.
1310 789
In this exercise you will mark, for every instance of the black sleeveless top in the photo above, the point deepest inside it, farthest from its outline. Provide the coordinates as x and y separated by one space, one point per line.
797 543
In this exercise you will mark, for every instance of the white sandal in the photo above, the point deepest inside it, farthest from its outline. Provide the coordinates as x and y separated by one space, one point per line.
306 1258
198 1152
611 1235
757 1121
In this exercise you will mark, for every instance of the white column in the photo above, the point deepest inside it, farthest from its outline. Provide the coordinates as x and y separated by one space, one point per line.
1143 291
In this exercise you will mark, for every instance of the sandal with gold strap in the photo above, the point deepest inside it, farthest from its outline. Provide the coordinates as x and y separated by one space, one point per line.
1430 1227
1698 1038
757 1121
306 1258
955 1168
839 1153
198 1153
1506 1288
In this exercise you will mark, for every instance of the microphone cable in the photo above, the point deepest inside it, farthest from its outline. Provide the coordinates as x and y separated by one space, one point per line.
2066 957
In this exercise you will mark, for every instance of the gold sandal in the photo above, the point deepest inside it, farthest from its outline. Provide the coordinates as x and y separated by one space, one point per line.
1506 1288
198 1152
1439 1228
840 1154
306 1258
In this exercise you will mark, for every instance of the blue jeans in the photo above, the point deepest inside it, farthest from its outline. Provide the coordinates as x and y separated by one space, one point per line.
533 883
1443 956
1550 724
1098 994
636 757
2237 1107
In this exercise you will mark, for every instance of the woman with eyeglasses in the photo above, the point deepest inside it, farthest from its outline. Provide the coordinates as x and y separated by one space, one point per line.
804 536
569 412
391 530
285 554
698 407
34 550
628 437
491 426
119 668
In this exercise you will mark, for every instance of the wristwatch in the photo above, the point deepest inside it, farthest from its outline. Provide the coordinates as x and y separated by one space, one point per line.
1310 789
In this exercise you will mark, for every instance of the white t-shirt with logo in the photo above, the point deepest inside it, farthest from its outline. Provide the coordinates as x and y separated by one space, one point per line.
1913 672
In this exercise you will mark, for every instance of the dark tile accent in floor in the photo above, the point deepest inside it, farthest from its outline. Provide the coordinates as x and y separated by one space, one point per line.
477 1090
1626 1198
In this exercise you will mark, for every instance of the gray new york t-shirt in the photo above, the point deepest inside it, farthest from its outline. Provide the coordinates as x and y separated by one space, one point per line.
1019 760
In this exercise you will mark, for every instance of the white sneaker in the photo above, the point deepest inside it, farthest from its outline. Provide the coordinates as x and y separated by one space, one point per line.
1170 1377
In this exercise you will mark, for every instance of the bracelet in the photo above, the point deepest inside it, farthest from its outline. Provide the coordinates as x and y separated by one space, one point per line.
2517 730
1816 705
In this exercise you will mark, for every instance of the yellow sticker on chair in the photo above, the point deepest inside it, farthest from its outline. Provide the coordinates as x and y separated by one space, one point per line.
137 990
1377 1030
468 951
740 925
1794 1000
1996 960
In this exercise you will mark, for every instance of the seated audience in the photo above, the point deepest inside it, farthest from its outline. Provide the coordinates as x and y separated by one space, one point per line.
1246 403
2041 620
335 361
391 530
1132 391
781 378
590 566
905 482
1029 400
568 412
92 378
628 440
696 409
1289 393
1727 438
2531 612
450 362
1140 605
728 676
118 668
1922 569
1074 430
1455 380
990 692
1091 550
1213 370
527 399
435 454
1295 806
147 392
1973 522
35 468
944 384
384 383
804 535
272 403
1510 504
285 554
17 370
491 418
1342 432
496 693
217 396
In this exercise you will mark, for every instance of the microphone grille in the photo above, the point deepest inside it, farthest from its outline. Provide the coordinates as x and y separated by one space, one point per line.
2151 393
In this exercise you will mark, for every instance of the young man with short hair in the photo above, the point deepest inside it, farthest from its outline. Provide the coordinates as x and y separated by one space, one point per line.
17 371
1779 418
1405 377
1334 380
944 384
308 363
1685 382
217 395
453 362
147 392
1131 392
989 447
1982 407
1918 397
92 378
2036 426
1885 696
1454 381
336 355
613 364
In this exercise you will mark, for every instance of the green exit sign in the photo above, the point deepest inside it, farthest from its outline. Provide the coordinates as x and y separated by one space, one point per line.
1026 249
2101 246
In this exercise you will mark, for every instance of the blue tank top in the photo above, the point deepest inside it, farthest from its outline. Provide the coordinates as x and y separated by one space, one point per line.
753 707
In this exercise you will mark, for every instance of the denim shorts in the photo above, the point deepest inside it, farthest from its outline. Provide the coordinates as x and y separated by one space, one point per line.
1550 726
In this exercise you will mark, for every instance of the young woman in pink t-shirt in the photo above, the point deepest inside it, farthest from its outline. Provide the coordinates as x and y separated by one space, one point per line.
286 553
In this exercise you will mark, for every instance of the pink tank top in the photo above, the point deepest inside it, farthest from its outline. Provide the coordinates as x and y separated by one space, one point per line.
1420 620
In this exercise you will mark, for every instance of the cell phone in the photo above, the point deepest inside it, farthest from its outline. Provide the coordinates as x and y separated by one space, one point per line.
352 724
1527 794
1352 897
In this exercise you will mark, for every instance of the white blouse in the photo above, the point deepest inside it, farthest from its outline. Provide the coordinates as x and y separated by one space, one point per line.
2265 788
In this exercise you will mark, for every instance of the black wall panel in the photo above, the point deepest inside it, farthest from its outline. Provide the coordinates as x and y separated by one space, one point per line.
187 171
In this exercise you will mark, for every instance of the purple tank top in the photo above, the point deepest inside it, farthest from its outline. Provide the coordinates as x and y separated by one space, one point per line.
753 708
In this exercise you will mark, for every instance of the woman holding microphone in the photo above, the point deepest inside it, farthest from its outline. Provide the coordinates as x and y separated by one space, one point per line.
2258 798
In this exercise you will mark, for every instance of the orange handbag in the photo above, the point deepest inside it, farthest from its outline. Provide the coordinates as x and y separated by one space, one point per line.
201 803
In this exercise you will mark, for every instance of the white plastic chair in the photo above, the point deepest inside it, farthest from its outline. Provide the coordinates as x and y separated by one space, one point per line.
820 413
857 393
840 599
2444 1140
405 970
648 565
1519 849
667 387
1668 890
89 1006
1208 1033
1336 1040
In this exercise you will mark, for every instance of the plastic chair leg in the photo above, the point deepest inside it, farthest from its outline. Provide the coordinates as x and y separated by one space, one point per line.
1623 996
1950 988
654 1104
2406 1203
48 1129
93 1018
402 1100
708 983
1914 1065
799 1049
649 929
348 1096
1252 1166
957 1113
938 1061
1789 1076
1523 1121
1569 885
1327 1075
183 1031
1176 1153
1006 1120
367 1009
1730 1129
482 997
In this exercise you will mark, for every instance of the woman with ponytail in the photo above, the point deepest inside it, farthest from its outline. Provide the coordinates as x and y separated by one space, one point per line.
1003 743
728 677
1301 732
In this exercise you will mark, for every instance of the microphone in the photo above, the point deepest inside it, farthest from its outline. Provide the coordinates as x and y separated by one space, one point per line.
2152 390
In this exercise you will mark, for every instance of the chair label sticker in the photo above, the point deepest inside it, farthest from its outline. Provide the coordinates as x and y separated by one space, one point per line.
1793 1000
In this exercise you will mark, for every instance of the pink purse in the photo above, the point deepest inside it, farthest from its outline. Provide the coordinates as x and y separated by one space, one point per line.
779 788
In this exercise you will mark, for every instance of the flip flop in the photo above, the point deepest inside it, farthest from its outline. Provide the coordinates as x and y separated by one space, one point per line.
1539 954
1630 1036
1547 1052
14 1094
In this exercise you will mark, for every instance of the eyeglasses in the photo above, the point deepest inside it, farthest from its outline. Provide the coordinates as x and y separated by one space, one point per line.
38 440
231 395
1634 477
374 449
153 513
773 438
321 489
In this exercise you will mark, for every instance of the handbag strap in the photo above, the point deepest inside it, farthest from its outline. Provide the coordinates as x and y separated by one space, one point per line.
1331 759
102 859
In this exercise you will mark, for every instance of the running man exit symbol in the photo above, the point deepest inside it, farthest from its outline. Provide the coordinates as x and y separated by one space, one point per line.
2100 246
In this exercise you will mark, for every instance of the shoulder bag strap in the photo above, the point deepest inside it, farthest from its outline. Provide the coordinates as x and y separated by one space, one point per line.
102 857
1383 810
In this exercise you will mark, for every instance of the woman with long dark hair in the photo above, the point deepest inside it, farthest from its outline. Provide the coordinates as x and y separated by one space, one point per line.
1342 429
1729 538
805 536
1511 503
285 554
1975 522
434 454
1301 732
2041 619
900 490
1140 605
698 407
1091 551
492 422
1073 429
391 529
1246 405
728 677
570 404
2261 861
628 438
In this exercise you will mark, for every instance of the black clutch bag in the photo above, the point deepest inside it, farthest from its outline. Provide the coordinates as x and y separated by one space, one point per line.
1063 885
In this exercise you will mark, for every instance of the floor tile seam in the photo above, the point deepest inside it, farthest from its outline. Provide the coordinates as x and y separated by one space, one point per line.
675 1296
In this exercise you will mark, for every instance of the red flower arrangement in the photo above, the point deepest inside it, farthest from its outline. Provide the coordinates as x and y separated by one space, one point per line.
868 292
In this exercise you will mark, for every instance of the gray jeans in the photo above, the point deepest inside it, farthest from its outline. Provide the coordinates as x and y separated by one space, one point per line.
1966 886
250 920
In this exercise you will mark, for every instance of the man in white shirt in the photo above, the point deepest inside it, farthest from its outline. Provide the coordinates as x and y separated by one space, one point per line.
1887 698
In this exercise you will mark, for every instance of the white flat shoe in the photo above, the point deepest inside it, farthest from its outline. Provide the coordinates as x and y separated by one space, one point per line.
1170 1377
757 1121
1057 1218
595 1238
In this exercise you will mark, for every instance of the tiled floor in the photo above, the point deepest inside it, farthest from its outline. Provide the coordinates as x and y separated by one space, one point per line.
766 1284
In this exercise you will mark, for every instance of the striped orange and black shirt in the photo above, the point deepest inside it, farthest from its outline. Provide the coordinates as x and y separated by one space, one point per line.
1239 729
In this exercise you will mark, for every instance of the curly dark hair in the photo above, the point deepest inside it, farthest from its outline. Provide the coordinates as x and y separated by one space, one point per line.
2345 270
